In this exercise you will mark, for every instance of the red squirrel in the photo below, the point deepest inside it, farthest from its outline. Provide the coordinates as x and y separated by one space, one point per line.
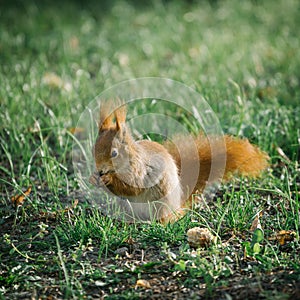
148 174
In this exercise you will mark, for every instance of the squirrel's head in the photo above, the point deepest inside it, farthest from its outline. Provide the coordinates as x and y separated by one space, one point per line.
112 147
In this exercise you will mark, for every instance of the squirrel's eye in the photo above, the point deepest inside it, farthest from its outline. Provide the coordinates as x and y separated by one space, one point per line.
114 153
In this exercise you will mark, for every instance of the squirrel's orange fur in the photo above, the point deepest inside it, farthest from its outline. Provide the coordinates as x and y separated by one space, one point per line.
145 172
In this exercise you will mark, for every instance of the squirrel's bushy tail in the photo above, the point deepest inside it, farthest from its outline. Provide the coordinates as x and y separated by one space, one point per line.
220 158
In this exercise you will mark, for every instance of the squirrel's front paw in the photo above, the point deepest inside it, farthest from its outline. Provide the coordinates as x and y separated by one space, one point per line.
99 181
106 179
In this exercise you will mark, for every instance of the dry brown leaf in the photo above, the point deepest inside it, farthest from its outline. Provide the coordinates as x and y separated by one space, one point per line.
143 283
55 214
256 222
284 236
130 241
18 200
48 215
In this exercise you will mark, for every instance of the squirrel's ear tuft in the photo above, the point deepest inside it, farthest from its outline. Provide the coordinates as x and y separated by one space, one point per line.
120 115
105 123
106 115
110 110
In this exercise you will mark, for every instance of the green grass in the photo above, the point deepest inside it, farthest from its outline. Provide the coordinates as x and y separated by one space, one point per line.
242 56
